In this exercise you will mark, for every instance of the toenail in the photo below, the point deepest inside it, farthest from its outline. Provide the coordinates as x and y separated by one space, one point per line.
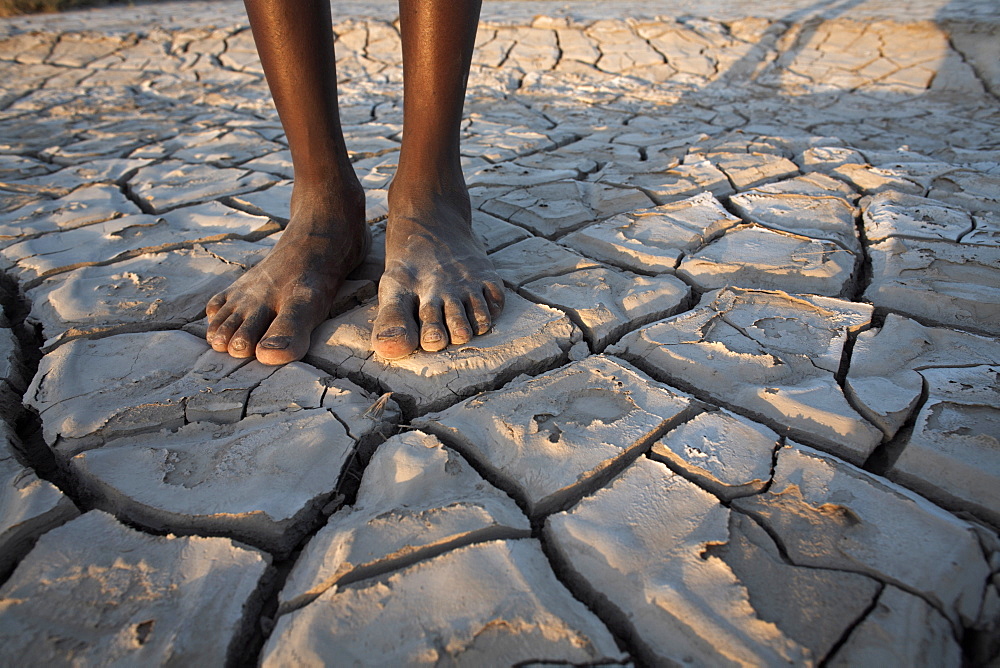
433 335
276 342
238 344
497 306
392 333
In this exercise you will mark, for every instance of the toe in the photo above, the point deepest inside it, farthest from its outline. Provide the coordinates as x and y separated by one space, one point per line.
394 334
479 314
215 304
223 332
494 293
433 335
287 339
457 321
216 319
244 340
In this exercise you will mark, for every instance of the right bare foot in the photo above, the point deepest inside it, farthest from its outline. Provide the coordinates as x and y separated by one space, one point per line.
271 311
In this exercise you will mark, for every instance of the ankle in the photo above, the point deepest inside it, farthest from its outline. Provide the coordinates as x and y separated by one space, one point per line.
434 168
417 198
337 197
445 181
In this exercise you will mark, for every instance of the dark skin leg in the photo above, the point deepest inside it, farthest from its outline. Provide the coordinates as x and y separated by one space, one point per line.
438 286
270 311
436 270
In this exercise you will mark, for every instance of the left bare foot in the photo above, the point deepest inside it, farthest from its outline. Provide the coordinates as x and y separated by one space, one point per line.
438 286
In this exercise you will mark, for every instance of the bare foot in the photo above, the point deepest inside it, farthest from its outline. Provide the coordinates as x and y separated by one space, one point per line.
272 310
436 272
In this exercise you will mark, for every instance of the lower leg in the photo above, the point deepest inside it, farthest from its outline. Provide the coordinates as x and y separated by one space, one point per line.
271 310
439 286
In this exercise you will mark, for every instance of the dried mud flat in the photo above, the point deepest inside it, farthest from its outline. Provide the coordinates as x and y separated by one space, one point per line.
743 406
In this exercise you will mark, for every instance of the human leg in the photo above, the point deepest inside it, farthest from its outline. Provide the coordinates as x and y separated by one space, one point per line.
438 286
271 310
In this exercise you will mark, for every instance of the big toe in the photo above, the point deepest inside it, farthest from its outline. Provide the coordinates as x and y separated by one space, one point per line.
286 340
394 334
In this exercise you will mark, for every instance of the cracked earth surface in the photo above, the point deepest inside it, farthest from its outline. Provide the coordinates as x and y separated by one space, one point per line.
743 406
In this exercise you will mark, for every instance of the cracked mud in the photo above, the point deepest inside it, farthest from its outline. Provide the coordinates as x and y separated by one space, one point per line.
743 406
